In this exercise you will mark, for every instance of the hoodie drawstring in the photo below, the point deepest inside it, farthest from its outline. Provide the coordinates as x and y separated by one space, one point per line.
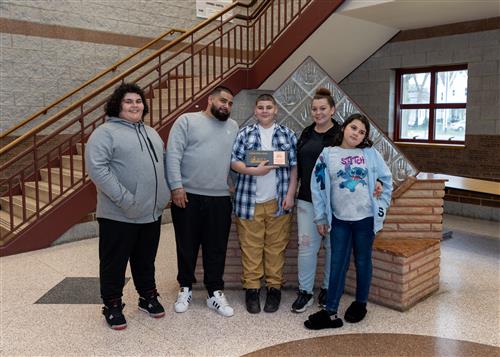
137 132
151 156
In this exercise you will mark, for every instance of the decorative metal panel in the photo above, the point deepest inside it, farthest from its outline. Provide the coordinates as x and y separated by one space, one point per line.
294 100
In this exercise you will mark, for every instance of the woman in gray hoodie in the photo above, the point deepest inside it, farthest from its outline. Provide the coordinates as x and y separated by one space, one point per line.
125 160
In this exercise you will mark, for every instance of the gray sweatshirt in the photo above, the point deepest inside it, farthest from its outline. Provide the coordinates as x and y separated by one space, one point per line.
126 163
199 154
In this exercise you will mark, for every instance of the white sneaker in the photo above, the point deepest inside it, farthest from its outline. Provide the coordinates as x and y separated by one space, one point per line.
219 303
183 299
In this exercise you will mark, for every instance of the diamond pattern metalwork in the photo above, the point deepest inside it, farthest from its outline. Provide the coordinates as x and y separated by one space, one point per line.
294 98
289 95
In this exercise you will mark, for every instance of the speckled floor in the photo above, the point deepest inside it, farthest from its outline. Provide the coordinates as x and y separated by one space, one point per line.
466 308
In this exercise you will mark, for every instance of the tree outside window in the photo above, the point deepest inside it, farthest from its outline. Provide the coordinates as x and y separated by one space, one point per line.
431 104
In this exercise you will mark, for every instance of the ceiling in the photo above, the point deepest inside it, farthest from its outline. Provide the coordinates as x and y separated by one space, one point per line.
360 27
413 14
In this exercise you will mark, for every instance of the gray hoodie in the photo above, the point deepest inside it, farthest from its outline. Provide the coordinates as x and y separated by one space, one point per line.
126 163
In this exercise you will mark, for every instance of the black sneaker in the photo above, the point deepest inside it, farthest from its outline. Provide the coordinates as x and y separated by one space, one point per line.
322 297
151 305
303 301
252 300
114 315
273 300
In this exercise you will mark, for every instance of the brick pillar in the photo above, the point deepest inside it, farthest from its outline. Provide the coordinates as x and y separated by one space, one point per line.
416 213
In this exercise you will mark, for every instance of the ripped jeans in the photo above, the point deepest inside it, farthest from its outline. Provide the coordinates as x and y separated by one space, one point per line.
309 243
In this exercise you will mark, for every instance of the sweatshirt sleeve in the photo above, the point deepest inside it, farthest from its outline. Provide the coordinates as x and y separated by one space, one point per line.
385 176
98 155
318 189
238 152
177 142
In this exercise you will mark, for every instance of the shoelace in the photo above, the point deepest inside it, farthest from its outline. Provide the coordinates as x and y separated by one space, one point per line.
183 296
114 310
153 302
221 299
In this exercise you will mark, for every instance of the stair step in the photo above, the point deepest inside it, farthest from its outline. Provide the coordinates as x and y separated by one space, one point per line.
66 176
174 93
181 83
164 103
43 189
79 148
17 205
5 224
77 162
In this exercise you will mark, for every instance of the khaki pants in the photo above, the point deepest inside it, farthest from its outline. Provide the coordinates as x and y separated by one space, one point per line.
263 241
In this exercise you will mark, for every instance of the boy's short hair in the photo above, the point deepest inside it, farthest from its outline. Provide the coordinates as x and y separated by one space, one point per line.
265 97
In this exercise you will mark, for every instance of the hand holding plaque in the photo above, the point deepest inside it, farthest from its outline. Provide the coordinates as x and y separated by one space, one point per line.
274 158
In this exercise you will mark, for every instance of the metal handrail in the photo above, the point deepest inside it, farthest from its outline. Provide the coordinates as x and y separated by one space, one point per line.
210 55
98 76
107 85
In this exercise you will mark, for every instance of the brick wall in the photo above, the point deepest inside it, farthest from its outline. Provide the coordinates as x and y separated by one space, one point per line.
406 252
371 85
468 161
417 212
471 197
404 272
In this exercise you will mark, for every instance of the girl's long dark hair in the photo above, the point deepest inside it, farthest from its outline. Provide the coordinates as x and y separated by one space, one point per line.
337 141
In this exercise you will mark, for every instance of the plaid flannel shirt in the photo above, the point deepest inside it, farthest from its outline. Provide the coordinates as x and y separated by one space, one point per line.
248 138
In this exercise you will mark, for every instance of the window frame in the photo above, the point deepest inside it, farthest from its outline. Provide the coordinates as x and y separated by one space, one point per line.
432 106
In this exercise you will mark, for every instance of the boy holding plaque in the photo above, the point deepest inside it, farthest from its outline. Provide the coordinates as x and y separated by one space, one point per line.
264 156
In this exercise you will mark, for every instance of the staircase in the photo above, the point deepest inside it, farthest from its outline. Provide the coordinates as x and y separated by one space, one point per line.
45 189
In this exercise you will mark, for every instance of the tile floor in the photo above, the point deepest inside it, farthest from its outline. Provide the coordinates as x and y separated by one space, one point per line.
466 307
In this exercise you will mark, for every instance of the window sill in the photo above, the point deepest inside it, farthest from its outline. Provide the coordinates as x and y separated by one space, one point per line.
442 145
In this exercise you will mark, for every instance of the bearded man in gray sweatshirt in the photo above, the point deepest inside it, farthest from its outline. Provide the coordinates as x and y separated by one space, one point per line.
198 163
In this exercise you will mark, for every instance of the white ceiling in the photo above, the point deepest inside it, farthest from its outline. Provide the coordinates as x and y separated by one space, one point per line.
413 14
360 27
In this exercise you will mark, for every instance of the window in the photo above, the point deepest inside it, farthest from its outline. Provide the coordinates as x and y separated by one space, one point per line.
431 105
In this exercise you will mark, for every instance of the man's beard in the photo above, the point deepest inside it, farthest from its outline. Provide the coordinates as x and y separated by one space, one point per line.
222 116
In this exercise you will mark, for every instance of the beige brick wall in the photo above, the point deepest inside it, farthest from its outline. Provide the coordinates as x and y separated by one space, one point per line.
406 252
416 213
400 281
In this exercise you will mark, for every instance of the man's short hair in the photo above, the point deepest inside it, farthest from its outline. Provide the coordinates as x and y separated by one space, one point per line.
219 89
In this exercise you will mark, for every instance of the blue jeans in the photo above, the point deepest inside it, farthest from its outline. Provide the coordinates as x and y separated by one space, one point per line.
309 242
347 236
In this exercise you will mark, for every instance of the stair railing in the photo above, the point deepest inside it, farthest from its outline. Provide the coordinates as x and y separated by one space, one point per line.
186 68
126 61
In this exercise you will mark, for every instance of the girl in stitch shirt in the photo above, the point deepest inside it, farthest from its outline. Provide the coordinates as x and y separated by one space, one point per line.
342 186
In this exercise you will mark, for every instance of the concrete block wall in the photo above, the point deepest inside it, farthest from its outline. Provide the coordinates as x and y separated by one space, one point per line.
371 85
36 69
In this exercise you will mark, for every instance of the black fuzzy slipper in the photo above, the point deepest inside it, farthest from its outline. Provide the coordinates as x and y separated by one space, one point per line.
356 312
321 320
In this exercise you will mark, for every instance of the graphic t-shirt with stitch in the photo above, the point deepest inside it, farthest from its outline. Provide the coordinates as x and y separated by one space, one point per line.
348 176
